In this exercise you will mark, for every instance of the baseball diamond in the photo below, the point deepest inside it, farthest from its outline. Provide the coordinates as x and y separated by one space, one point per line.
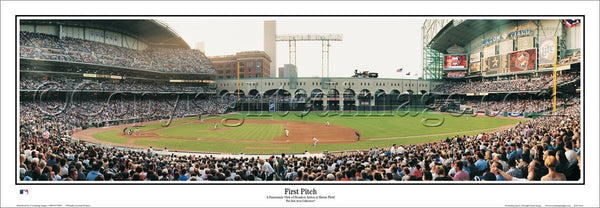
193 135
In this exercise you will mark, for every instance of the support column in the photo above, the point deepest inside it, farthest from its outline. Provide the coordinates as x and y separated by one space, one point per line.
342 99
325 58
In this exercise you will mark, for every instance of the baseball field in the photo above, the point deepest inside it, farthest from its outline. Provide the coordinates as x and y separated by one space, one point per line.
253 133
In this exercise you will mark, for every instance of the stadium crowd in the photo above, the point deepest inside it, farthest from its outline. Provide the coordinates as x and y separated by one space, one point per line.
50 47
63 117
519 106
543 149
531 84
31 84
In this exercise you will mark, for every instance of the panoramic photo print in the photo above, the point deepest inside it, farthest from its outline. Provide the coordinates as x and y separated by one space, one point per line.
296 99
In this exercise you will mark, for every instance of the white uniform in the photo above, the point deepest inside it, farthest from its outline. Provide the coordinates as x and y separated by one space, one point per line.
316 141
327 122
287 132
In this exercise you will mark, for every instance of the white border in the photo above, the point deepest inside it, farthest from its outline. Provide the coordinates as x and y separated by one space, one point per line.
346 195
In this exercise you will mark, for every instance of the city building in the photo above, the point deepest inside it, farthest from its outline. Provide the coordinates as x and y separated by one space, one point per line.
288 71
252 64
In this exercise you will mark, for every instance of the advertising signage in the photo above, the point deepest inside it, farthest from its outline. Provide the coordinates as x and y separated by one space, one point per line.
456 74
522 60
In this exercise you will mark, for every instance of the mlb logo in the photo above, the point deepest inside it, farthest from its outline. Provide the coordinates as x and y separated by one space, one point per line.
271 106
24 191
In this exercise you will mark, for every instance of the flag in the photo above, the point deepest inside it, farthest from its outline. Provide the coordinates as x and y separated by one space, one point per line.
408 73
572 22
399 70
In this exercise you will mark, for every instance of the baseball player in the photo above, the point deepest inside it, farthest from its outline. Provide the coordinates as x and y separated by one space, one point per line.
287 132
327 123
215 125
316 141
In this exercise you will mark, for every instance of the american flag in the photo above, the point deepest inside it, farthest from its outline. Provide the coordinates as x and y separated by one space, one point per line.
408 73
572 22
399 70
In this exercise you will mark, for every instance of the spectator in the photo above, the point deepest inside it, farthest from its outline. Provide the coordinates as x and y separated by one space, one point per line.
551 163
460 175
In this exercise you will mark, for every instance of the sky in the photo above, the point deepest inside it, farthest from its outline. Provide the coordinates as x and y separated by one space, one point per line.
376 44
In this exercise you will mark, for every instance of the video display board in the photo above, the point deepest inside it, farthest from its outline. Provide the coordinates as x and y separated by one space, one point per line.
455 62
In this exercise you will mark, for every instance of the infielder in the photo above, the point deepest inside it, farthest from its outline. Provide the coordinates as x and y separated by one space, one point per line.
287 132
316 141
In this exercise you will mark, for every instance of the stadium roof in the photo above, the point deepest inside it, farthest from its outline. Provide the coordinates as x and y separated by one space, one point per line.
462 32
153 32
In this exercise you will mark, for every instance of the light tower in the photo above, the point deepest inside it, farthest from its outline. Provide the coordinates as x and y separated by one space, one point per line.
325 45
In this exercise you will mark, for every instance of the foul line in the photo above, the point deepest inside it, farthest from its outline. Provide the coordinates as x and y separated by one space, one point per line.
440 134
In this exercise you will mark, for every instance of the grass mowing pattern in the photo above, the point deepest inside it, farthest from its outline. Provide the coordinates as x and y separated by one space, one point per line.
110 136
160 124
243 132
369 126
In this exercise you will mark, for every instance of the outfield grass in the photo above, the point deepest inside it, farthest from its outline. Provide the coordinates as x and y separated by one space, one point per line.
243 132
397 126
163 124
110 136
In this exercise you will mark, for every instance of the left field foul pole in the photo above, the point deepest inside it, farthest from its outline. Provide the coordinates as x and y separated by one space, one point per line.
554 76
